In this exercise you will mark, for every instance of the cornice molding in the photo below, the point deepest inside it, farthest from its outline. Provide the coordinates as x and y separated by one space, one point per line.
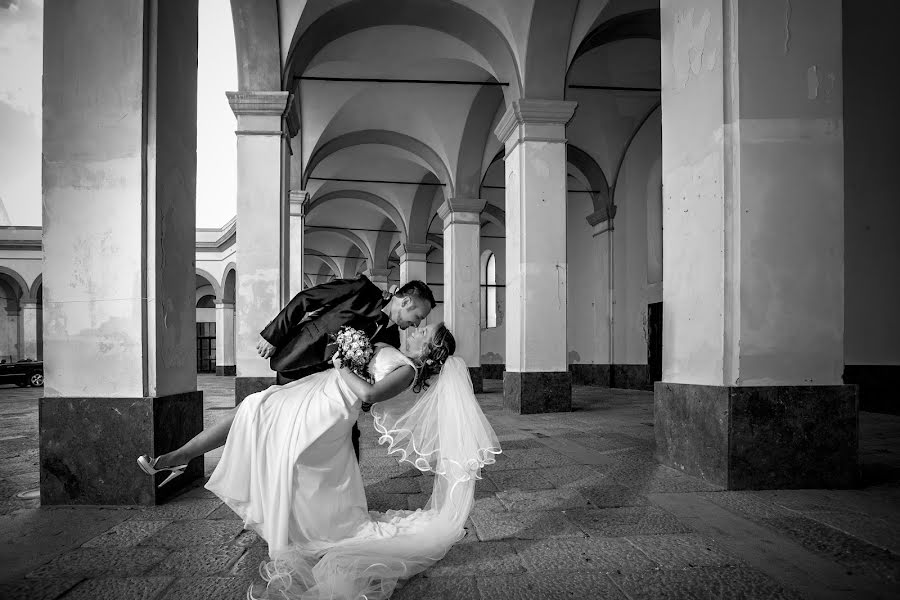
453 206
299 203
268 104
538 112
413 251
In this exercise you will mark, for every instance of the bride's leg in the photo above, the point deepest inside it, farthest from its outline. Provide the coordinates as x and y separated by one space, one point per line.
203 442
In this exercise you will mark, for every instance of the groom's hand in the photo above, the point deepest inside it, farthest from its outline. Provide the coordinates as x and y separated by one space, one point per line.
264 348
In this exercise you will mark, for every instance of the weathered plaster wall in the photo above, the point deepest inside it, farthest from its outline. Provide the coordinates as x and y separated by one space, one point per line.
872 205
587 317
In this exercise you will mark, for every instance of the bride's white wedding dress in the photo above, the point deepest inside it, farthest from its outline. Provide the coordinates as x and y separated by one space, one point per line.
288 469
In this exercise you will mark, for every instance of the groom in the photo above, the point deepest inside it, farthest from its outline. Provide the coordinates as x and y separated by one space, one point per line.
296 341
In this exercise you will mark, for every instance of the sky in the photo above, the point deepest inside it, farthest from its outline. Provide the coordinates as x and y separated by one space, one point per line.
21 66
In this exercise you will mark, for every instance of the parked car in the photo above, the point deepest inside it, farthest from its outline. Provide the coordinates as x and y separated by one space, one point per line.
23 372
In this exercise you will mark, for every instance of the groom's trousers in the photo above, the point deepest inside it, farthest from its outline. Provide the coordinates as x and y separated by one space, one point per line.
282 378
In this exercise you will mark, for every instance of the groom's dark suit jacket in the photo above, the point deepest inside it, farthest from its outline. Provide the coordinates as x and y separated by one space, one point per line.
300 332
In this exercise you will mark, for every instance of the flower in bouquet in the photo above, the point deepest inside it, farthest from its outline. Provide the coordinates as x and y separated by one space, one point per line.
355 350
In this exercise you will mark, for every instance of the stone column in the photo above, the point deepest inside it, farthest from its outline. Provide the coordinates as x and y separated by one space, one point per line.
379 277
537 377
413 265
462 281
263 229
751 395
119 181
30 314
225 339
299 200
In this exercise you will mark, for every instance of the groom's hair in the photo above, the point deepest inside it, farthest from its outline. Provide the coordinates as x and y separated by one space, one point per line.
417 289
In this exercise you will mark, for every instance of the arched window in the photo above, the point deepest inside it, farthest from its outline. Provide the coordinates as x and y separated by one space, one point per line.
488 290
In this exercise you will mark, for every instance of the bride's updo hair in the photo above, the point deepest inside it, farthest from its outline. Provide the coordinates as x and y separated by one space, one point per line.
435 353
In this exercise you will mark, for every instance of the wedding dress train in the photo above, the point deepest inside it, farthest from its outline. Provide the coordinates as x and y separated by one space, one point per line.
289 471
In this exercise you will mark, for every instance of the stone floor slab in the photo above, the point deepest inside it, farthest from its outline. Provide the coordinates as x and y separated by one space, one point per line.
546 586
702 584
626 520
582 554
524 525
248 564
208 588
37 589
97 562
132 588
610 495
224 512
553 499
683 551
195 533
197 561
437 588
483 558
520 479
182 508
126 534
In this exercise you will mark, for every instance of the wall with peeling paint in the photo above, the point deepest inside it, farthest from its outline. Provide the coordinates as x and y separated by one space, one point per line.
872 205
587 318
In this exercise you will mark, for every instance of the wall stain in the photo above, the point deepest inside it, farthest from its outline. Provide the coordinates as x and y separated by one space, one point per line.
812 83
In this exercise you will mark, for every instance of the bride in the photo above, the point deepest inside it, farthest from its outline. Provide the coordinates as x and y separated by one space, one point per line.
288 469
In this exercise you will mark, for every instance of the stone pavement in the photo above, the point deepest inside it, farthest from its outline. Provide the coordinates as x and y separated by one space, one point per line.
575 507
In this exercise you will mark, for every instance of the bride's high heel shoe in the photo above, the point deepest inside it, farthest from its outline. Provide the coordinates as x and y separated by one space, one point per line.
148 466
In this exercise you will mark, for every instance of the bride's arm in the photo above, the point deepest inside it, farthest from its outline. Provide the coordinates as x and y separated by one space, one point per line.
389 386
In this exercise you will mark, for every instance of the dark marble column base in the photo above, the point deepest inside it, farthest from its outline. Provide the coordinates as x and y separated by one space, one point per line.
477 379
531 392
771 437
492 371
244 386
226 370
630 377
589 374
877 386
88 447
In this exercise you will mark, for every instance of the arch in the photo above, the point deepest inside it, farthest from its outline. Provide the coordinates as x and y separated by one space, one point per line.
495 215
592 172
383 247
639 24
325 259
256 41
307 282
451 18
206 301
548 48
474 139
347 235
436 241
36 287
488 280
211 281
627 147
412 145
380 204
24 290
229 284
420 214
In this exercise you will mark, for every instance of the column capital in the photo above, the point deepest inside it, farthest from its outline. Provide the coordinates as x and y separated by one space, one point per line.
415 252
268 104
224 305
299 200
606 213
29 304
461 210
378 274
534 112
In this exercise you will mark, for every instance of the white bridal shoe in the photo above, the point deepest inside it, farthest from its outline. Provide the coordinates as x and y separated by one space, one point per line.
148 466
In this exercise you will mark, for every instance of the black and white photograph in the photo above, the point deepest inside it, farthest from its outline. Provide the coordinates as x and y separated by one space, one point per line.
449 300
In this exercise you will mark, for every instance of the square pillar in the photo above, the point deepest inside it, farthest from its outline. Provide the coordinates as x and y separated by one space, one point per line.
225 339
30 315
537 377
462 280
413 265
119 181
299 201
263 226
751 395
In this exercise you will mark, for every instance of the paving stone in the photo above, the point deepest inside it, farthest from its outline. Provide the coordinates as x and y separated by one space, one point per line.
523 525
187 508
520 444
37 589
200 560
198 492
702 584
437 588
224 512
546 586
683 551
554 499
609 495
208 588
132 588
626 520
382 501
483 558
874 530
487 503
531 458
746 505
127 533
248 564
572 475
396 485
195 533
582 554
520 479
248 538
417 501
94 562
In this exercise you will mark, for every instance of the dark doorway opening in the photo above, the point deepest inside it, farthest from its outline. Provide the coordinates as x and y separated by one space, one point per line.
654 341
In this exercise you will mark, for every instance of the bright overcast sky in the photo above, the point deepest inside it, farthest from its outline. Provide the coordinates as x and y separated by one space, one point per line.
20 113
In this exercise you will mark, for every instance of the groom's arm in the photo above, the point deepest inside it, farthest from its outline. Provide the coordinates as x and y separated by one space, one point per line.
307 301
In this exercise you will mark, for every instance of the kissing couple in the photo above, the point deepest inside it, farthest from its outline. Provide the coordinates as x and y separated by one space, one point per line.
290 465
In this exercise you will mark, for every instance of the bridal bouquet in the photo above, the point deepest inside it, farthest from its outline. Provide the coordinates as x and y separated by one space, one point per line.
354 349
